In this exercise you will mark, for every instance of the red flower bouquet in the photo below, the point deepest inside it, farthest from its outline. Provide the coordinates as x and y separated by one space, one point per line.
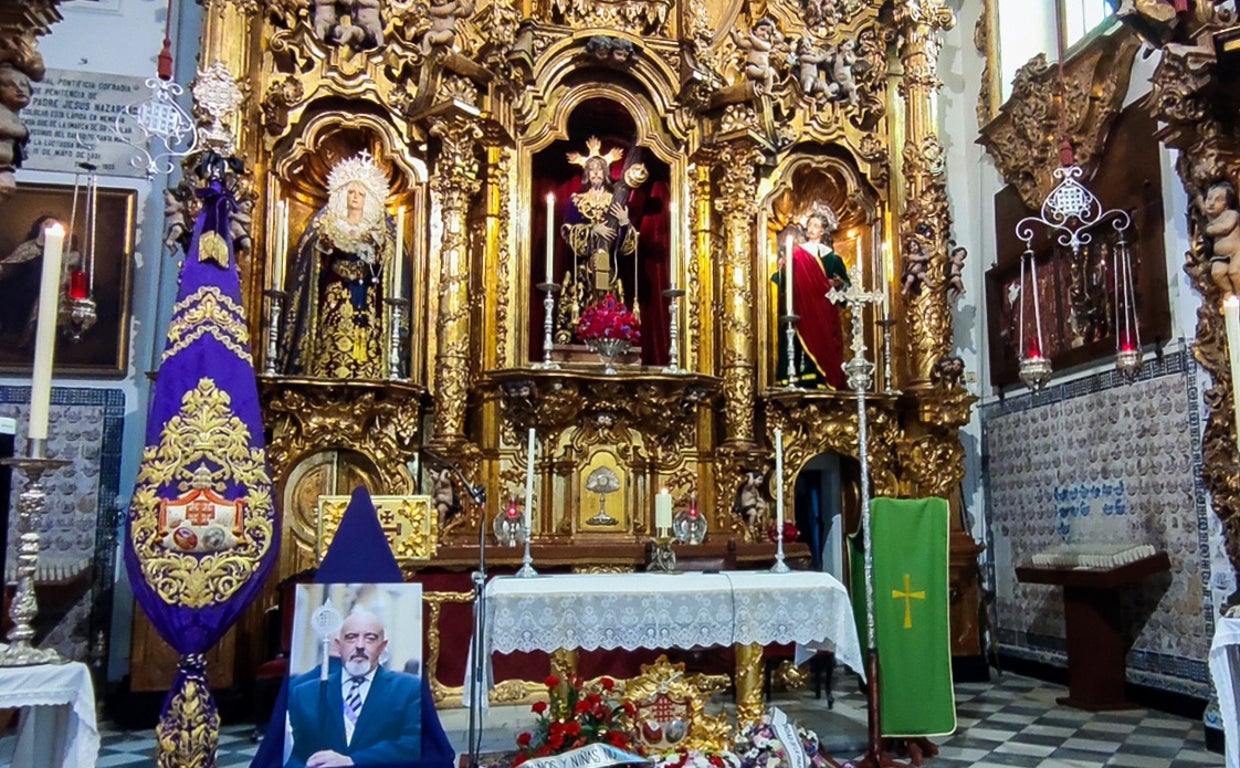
575 715
609 319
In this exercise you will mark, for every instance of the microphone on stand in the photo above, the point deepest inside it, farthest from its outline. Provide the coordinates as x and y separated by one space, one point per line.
477 666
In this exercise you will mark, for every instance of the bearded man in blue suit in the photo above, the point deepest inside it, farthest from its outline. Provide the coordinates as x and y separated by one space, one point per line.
363 714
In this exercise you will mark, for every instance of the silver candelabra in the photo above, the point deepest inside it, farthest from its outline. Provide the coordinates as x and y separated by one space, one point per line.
527 560
31 505
549 291
275 309
398 311
673 330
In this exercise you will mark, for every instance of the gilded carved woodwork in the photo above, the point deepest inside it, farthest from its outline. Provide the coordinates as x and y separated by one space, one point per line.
1186 95
1024 140
925 222
455 104
454 181
737 202
381 422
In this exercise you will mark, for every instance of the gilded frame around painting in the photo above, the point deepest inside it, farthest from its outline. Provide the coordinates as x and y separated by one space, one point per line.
103 349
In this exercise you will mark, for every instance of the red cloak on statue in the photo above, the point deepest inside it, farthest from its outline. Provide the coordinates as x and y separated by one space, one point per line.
819 328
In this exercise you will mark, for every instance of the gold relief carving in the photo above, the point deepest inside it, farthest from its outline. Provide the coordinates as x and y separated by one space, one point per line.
280 96
663 409
458 89
380 421
636 17
948 408
407 522
738 117
204 446
984 42
602 569
936 464
564 663
1024 139
663 685
189 732
511 692
919 23
499 175
789 676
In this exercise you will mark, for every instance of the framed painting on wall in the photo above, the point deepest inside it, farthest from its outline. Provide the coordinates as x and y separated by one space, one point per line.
102 348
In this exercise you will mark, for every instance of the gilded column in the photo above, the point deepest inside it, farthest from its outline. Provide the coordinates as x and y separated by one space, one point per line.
454 182
226 32
925 223
738 187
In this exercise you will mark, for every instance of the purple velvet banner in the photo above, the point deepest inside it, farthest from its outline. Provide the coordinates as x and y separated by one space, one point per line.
202 529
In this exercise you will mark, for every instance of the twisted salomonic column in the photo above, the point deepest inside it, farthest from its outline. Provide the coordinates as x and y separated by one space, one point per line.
925 222
738 187
454 182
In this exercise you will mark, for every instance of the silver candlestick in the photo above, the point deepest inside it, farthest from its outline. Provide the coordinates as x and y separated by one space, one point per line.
673 330
887 324
398 310
274 310
790 334
526 570
549 291
31 505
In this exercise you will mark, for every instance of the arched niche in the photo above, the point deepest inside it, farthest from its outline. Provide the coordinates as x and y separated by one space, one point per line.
809 177
621 120
826 505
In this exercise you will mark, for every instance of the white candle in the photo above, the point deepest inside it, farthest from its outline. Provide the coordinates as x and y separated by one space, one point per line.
398 263
529 482
788 275
279 246
550 236
779 480
674 266
45 335
662 513
1231 321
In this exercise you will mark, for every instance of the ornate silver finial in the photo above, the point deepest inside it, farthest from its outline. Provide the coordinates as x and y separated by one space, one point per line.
217 94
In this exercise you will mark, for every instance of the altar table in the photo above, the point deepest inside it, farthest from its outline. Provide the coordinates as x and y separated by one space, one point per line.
58 714
679 610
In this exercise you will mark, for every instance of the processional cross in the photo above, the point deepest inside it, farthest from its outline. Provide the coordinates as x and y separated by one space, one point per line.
860 373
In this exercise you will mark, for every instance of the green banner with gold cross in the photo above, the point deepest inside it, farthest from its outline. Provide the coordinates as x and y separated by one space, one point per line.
910 616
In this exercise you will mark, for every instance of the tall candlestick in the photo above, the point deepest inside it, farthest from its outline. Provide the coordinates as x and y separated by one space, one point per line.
662 513
1231 321
779 480
529 484
550 236
45 335
788 275
398 264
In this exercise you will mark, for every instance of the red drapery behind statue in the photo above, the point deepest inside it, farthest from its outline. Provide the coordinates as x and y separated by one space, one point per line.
819 327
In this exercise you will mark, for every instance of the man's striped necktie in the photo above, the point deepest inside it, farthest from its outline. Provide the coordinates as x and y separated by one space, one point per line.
353 702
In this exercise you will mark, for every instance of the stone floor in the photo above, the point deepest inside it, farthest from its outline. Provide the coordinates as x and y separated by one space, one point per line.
1012 721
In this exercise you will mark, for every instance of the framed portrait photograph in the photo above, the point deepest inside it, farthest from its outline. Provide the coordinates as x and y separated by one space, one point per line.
355 675
94 348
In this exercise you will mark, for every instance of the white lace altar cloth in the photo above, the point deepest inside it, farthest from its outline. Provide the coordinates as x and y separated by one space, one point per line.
58 714
685 610
1225 672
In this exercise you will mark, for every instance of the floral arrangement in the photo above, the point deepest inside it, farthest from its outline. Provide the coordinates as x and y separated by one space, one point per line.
759 746
609 319
575 715
695 758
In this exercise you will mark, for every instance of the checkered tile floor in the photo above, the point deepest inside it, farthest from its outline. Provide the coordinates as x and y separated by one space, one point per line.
1013 721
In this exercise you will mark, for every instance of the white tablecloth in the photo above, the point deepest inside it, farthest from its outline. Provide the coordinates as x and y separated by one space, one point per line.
58 715
1225 671
652 610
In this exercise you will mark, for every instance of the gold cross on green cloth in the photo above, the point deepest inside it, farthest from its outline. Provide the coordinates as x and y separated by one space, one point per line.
908 596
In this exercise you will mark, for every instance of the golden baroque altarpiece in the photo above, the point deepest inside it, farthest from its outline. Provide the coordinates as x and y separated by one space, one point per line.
747 115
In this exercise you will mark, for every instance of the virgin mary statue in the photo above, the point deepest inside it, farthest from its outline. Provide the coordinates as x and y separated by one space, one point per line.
334 327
